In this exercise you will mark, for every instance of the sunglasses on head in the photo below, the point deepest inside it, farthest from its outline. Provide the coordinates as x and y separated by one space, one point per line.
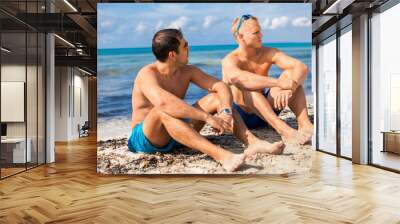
242 18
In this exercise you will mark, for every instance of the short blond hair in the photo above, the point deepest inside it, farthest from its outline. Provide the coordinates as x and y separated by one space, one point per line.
235 23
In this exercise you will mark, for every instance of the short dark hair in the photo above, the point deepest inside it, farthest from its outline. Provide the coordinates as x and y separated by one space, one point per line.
164 41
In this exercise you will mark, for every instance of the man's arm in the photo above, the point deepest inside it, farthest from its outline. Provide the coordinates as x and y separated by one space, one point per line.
212 84
295 69
244 79
164 100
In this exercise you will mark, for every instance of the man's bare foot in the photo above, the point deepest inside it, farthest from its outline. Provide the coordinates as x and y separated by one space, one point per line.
297 138
308 132
264 147
233 162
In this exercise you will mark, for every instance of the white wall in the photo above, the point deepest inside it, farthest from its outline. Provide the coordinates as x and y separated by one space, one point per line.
12 101
70 83
62 80
79 110
13 72
82 82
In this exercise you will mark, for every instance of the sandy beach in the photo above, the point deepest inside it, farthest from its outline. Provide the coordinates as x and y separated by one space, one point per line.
113 156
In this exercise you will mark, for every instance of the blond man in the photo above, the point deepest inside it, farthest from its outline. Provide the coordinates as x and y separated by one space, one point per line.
258 97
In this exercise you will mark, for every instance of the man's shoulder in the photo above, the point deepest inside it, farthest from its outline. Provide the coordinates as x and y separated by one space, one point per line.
145 74
232 57
147 70
269 52
189 68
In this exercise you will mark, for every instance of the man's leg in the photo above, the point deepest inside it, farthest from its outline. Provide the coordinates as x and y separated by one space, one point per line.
211 104
159 127
259 105
298 105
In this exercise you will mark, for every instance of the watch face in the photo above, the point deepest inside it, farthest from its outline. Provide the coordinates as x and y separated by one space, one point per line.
227 111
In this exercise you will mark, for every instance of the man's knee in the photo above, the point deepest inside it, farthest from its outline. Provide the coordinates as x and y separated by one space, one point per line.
159 114
214 99
256 96
285 74
209 103
251 101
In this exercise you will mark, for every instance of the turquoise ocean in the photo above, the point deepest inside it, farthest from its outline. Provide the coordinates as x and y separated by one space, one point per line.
117 69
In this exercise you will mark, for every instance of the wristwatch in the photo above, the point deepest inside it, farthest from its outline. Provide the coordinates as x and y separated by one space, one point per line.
226 111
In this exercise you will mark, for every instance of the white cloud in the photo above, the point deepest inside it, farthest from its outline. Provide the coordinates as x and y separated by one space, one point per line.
265 24
279 22
208 20
274 23
172 9
140 27
301 22
121 22
179 23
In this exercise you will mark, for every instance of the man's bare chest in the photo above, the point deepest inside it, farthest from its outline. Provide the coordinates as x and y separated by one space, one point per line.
177 86
254 67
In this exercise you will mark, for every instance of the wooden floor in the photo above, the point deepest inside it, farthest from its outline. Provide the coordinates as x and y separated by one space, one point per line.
10 171
70 191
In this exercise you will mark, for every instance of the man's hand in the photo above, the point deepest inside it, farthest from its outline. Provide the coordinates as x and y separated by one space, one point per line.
228 119
287 83
218 124
282 99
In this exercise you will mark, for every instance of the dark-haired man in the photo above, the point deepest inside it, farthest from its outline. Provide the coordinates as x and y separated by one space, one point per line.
159 111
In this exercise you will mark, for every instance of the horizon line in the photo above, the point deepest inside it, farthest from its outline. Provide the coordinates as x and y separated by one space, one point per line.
203 45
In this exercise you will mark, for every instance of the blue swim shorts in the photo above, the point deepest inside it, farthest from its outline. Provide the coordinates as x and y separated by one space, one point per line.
138 142
252 120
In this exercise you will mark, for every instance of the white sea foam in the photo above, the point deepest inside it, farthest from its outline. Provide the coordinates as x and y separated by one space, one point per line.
117 127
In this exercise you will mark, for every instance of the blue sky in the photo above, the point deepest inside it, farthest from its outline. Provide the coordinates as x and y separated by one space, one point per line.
129 25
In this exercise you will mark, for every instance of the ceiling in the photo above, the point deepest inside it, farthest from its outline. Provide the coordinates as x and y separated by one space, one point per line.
328 16
76 22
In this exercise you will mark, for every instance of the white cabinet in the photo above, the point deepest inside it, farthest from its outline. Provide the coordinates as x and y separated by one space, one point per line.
17 147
